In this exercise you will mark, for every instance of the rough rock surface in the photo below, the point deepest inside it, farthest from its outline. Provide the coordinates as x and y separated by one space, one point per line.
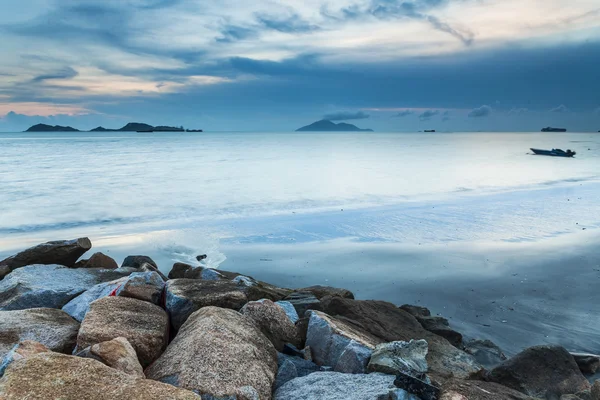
478 390
100 260
541 371
118 354
53 328
50 286
588 363
56 376
441 327
390 323
338 386
144 325
289 310
304 301
22 350
80 305
420 388
485 352
323 291
180 270
145 286
396 357
4 270
273 322
337 344
217 352
63 252
137 262
416 311
289 368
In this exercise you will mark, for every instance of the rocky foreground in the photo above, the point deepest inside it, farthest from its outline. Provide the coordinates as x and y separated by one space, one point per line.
92 330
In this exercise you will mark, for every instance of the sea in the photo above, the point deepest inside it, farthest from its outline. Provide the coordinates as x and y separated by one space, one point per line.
472 225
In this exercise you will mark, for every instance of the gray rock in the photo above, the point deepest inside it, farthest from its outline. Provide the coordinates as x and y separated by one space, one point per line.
272 321
417 387
49 286
335 343
53 328
416 311
304 301
324 291
541 371
441 327
338 386
458 389
63 252
146 286
485 352
80 305
289 368
242 280
587 363
4 270
289 310
400 357
217 353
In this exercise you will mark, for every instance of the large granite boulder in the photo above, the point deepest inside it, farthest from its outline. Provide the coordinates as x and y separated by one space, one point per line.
48 376
144 325
48 286
63 252
304 301
145 286
273 322
186 271
98 260
485 352
541 371
289 310
400 357
324 291
26 348
53 328
218 352
118 354
339 386
142 264
441 327
334 342
289 367
478 390
80 305
389 324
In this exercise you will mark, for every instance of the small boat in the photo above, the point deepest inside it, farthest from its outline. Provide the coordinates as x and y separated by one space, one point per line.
554 152
551 129
194 130
430 131
146 131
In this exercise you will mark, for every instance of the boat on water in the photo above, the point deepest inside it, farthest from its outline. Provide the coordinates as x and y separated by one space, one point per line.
550 129
194 130
554 152
146 131
430 131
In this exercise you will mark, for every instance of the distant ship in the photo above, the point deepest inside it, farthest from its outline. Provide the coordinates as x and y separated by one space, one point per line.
550 129
554 153
430 130
194 130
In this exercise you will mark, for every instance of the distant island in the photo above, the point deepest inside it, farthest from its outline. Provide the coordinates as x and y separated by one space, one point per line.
130 127
326 125
550 129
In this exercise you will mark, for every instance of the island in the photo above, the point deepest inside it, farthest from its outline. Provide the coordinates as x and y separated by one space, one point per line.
50 128
550 129
326 125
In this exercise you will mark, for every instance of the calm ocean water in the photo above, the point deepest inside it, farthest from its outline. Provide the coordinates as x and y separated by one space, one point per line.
301 208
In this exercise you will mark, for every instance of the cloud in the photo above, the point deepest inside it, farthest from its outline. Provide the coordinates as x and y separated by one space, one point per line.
483 111
517 111
404 113
346 115
291 24
446 116
428 114
64 73
560 109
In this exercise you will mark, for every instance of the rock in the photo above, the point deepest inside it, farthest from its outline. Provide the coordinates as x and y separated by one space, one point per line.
485 352
322 291
541 371
244 281
304 301
417 387
55 329
272 321
118 354
338 386
180 270
101 261
185 296
478 390
389 323
416 311
289 309
216 353
63 252
145 286
595 392
441 327
49 286
289 368
137 262
22 350
58 376
80 305
587 363
301 331
335 343
144 325
4 270
201 257
400 357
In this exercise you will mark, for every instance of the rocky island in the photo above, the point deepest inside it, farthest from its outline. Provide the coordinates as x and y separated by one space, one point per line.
50 128
326 125
130 127
74 328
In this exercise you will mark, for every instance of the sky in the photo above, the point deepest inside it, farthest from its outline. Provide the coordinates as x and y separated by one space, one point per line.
276 65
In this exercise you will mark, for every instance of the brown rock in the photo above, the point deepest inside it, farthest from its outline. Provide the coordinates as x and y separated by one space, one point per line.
595 392
102 261
120 355
137 262
25 349
541 371
143 324
64 252
323 291
218 352
588 363
416 311
4 270
145 286
477 390
441 327
180 270
49 376
272 321
390 323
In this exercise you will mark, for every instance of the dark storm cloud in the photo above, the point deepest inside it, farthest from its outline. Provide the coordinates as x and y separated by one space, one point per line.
479 112
64 73
427 115
346 115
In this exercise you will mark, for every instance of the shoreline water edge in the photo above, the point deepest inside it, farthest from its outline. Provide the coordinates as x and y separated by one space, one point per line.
74 327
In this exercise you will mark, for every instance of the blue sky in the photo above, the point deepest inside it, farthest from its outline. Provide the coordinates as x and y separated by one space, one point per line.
390 65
